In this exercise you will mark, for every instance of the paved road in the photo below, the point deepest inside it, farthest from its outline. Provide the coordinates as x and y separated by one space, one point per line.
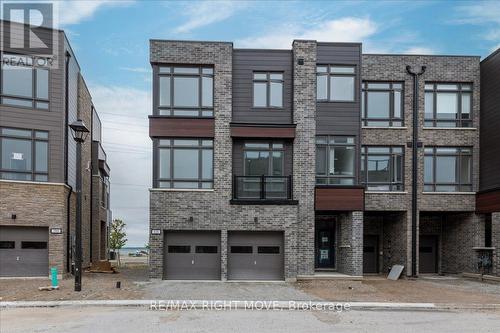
122 320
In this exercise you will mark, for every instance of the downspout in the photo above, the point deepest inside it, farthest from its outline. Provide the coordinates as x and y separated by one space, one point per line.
66 123
414 190
91 179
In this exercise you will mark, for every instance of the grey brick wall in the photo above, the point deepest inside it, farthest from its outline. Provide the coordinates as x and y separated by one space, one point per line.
495 242
350 243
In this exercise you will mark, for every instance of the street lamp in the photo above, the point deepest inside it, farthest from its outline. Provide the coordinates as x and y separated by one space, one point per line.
79 132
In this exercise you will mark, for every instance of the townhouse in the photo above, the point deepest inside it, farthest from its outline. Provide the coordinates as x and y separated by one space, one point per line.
38 100
286 164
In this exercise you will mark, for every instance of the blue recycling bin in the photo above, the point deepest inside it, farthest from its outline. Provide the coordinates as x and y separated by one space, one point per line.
53 274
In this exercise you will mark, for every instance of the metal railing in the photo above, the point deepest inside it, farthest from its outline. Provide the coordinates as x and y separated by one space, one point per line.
262 187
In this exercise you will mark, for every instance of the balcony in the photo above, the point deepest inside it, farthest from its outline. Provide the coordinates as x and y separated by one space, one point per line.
263 190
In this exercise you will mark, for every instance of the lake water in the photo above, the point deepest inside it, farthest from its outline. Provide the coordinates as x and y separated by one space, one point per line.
124 251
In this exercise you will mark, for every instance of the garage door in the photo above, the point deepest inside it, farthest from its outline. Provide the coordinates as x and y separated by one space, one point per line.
24 251
255 256
192 255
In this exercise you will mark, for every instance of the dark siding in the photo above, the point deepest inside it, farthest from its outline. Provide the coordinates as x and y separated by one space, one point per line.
238 157
245 62
490 123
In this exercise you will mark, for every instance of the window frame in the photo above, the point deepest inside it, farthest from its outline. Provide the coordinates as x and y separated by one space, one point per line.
270 150
391 90
33 140
330 74
268 82
459 122
329 145
34 99
171 74
458 168
393 186
171 147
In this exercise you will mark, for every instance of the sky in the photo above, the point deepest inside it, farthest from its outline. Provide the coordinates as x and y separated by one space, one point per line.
110 39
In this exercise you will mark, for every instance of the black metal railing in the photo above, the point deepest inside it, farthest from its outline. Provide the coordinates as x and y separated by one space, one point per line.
262 187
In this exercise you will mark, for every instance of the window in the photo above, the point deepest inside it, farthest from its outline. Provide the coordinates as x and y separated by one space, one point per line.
448 105
186 91
447 169
24 84
185 163
267 90
24 154
206 249
335 160
268 249
382 104
264 159
241 249
34 245
179 249
7 245
382 168
335 83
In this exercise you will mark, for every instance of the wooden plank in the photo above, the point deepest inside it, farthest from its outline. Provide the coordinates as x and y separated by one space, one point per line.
181 127
339 199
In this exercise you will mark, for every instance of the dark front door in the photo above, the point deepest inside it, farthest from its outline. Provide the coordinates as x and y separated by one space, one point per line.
325 244
370 254
428 254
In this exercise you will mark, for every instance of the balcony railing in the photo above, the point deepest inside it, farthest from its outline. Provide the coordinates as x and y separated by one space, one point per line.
262 187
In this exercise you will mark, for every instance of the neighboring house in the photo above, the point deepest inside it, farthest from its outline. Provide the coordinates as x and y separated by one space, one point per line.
38 165
279 164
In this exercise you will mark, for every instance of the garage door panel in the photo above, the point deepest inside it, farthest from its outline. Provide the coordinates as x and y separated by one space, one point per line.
192 255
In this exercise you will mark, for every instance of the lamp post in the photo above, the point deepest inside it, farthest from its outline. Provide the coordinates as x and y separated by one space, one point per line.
79 132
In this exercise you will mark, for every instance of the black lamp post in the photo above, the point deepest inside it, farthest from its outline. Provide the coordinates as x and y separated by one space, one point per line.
79 132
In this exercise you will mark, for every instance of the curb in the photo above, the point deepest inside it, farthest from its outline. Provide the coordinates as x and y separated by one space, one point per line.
162 305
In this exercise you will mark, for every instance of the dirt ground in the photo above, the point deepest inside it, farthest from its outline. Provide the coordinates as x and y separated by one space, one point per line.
427 290
95 286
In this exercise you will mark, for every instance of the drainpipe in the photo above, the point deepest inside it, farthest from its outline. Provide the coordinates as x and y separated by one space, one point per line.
415 144
91 180
66 123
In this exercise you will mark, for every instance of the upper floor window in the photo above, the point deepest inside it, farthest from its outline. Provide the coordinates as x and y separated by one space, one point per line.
335 160
382 104
267 90
24 154
185 163
448 169
382 168
24 84
335 83
264 159
186 91
448 105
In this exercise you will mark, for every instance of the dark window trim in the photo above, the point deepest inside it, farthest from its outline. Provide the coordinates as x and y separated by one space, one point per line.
328 74
328 145
34 99
459 122
270 149
268 82
200 148
33 140
170 108
458 166
391 90
364 168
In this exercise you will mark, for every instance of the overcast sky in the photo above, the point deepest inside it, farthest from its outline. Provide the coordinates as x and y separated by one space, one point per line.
110 39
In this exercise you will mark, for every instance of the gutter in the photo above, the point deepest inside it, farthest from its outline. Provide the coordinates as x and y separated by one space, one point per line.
415 144
66 132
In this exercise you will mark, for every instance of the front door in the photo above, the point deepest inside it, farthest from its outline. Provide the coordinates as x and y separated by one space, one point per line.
325 244
428 254
370 254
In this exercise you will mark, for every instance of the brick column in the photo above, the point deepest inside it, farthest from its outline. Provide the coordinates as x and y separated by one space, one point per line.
350 252
495 242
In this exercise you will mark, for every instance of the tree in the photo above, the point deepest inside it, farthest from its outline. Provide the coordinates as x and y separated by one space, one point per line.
117 237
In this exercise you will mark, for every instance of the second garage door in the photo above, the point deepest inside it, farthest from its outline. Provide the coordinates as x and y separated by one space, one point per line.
255 256
192 255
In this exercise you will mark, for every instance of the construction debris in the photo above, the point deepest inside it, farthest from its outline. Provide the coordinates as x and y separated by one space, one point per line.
395 272
102 266
48 288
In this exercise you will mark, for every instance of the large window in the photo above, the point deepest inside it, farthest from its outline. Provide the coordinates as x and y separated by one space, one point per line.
24 154
23 84
264 159
335 160
267 90
185 91
382 104
185 163
335 83
448 105
448 169
382 168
